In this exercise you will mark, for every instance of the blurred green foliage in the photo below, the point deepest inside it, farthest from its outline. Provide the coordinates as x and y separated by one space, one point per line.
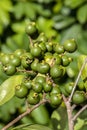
60 19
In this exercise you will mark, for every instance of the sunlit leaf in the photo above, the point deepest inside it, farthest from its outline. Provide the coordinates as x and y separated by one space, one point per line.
32 127
7 88
82 14
74 3
79 124
81 60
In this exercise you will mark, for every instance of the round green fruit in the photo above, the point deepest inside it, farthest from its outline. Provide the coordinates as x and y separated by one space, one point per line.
37 87
65 60
56 71
55 99
33 98
32 30
69 87
9 69
47 87
16 61
34 65
43 68
78 97
70 45
36 51
40 79
21 91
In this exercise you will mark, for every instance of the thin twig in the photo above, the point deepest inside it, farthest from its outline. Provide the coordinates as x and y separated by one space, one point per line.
29 110
77 79
79 112
74 106
69 113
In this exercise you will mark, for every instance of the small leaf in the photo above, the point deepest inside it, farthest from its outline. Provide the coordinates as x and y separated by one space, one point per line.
81 59
31 127
79 124
82 14
74 3
7 88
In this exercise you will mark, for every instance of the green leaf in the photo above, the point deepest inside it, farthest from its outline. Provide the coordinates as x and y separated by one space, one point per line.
46 26
32 127
18 10
82 14
7 88
40 115
73 3
64 23
59 119
79 124
81 59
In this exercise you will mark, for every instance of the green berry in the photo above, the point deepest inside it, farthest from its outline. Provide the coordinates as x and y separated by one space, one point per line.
55 99
78 97
47 87
56 71
33 98
9 69
70 45
37 87
21 91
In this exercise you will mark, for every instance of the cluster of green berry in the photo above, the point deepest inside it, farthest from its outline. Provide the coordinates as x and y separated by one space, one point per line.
43 64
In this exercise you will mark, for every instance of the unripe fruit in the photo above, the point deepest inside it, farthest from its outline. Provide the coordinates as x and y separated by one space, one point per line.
21 91
36 51
43 68
56 71
32 30
37 87
33 97
78 97
55 99
70 45
9 69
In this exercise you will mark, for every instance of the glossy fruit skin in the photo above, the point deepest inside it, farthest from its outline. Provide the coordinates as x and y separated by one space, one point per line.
33 98
32 30
57 59
69 87
16 61
59 49
70 45
37 87
19 52
27 83
9 69
42 38
55 90
47 87
21 91
78 97
36 51
65 60
55 99
5 59
34 65
40 79
43 68
56 71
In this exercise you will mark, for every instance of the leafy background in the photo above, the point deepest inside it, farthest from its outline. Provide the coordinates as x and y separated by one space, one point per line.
61 19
